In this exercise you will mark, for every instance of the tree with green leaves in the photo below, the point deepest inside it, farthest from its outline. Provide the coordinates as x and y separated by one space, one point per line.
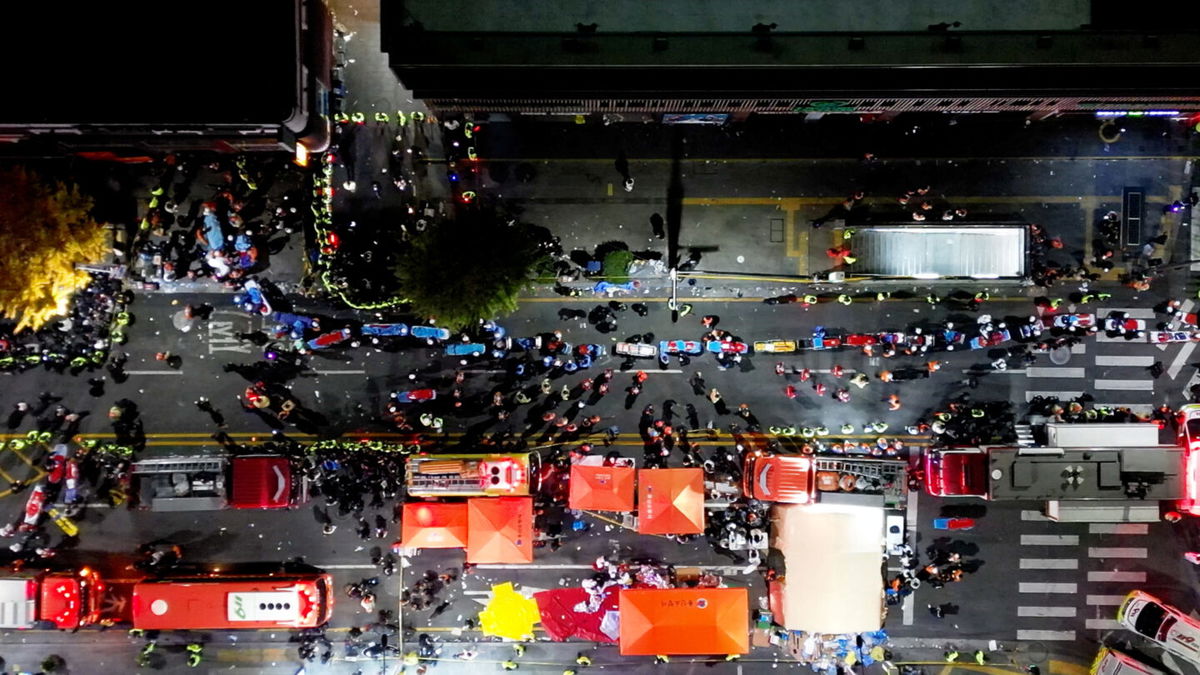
47 228
470 268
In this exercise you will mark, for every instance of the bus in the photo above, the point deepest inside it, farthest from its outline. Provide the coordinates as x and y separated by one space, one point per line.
285 600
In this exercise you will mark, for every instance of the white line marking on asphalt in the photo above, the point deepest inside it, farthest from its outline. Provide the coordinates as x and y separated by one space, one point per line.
1133 312
1116 552
1049 564
1118 528
1049 540
1029 514
1139 408
1060 395
348 567
910 513
1008 371
1105 600
1103 337
1037 587
1103 624
1181 360
1140 361
153 372
1079 348
1124 385
1135 577
1060 612
1056 372
340 372
1046 635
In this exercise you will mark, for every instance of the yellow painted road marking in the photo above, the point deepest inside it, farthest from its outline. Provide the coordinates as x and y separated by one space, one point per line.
252 655
1068 668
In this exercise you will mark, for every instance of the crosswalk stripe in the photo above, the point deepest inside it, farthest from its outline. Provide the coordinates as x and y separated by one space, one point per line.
1038 587
1079 348
1046 635
1049 564
1103 624
1105 600
1050 371
1049 540
1116 552
1029 514
1140 361
1132 312
1125 385
1060 612
1135 577
1103 337
1118 528
1060 395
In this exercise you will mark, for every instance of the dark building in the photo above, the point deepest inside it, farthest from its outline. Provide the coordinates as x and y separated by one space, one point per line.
865 56
137 76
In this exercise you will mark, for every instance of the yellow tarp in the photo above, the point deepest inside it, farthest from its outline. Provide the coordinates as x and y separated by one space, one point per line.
509 614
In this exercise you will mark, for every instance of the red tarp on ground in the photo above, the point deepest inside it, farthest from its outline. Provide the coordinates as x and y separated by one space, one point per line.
685 621
602 488
434 525
500 530
671 501
561 621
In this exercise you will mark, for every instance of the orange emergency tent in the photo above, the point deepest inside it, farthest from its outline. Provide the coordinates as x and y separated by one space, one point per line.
500 530
434 525
685 621
671 501
602 488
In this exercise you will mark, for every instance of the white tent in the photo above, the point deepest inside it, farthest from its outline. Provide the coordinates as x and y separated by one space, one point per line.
834 558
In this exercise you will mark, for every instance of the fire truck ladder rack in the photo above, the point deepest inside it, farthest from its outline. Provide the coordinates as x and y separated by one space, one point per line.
878 470
442 483
188 465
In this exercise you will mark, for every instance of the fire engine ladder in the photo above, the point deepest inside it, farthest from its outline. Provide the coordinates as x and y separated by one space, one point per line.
866 469
443 482
189 465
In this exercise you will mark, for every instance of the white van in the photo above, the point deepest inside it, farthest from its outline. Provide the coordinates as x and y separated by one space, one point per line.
1112 662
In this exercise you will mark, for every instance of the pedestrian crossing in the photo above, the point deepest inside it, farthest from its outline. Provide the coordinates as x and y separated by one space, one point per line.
1115 371
1072 582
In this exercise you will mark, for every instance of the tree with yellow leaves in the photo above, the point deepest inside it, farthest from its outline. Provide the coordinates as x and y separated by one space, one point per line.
46 228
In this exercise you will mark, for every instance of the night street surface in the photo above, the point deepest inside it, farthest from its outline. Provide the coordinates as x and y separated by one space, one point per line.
1045 592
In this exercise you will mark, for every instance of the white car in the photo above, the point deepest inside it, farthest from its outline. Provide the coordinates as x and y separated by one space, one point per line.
636 349
1173 630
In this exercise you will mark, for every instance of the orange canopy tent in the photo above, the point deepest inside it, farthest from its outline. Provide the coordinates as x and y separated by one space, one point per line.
500 530
434 525
602 488
671 501
685 621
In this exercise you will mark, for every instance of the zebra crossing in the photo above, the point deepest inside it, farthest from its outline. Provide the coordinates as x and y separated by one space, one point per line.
1105 368
1069 584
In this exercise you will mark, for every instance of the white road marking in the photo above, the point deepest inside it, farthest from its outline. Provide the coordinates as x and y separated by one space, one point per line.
1139 361
1060 395
1125 385
1007 371
1116 552
340 372
347 567
1105 600
1032 587
1079 348
1049 564
153 372
1181 360
1029 514
1118 528
1103 624
1060 612
1056 372
1103 337
1133 312
1046 635
910 513
1049 540
1135 577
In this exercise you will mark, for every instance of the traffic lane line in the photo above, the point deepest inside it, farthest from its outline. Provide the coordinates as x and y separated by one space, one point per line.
153 372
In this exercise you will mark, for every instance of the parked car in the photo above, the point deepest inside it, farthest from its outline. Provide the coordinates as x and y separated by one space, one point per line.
1158 622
